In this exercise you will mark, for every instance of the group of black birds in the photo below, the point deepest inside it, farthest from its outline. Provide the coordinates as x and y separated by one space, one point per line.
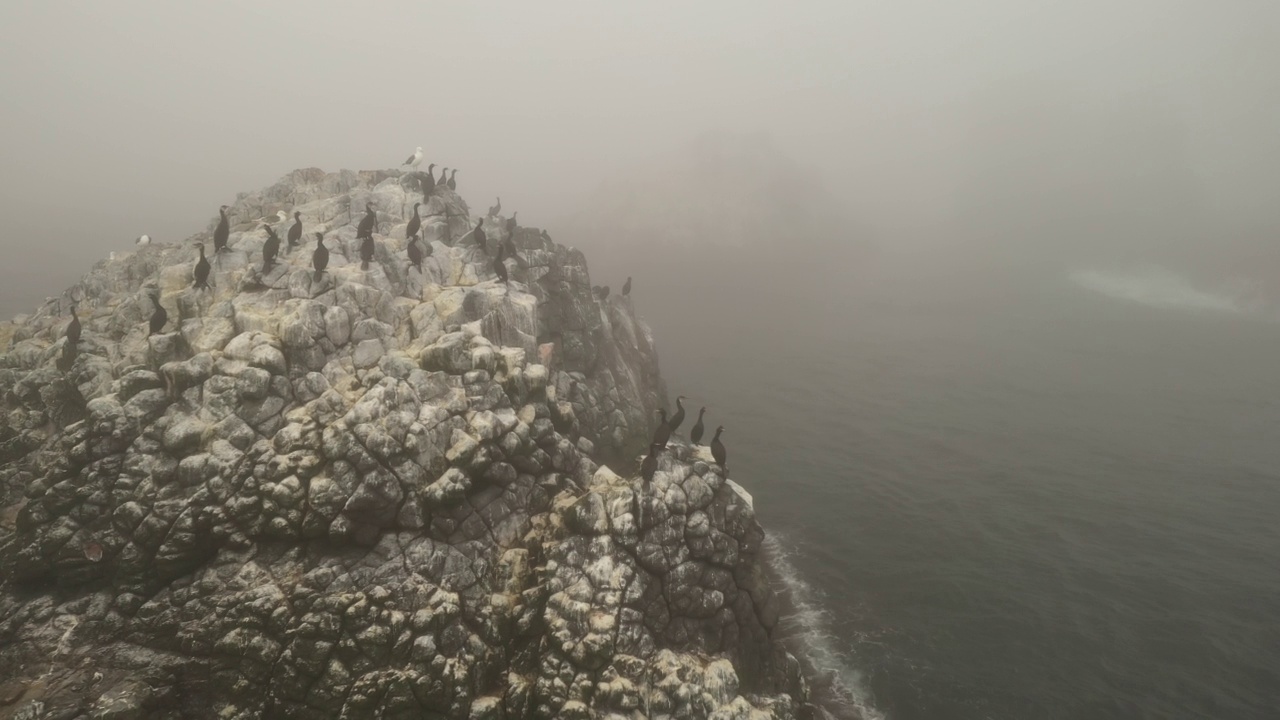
417 249
662 436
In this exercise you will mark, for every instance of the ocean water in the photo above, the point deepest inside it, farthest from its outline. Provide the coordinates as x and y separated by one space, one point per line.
1007 498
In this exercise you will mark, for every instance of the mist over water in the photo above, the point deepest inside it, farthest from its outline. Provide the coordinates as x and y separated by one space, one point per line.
1002 499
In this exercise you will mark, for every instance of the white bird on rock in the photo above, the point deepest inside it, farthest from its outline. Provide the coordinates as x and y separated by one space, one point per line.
415 159
143 240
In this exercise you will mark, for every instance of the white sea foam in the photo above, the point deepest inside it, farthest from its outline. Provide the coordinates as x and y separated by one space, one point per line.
806 625
1155 287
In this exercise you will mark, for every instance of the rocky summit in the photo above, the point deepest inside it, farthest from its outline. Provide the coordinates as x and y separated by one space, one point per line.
382 493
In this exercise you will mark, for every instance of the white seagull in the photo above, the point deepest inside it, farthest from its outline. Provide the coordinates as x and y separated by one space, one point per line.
415 159
143 240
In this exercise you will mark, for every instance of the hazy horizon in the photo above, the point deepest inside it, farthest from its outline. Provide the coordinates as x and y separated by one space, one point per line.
1134 130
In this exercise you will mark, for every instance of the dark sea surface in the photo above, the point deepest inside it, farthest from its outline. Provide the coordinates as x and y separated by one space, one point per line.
1000 497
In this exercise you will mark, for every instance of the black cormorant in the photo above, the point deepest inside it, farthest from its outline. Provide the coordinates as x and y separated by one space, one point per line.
500 265
270 248
159 317
695 435
295 231
626 287
444 178
650 464
453 184
545 235
202 270
495 209
511 223
320 258
67 358
717 449
677 419
415 253
663 433
73 327
222 232
481 239
428 183
415 222
366 252
604 292
367 223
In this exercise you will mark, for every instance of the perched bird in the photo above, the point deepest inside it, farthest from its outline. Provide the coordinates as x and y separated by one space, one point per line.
367 223
143 240
295 230
415 222
717 449
202 270
415 253
650 464
495 209
500 265
73 328
159 317
511 223
270 248
222 232
695 435
663 433
415 159
444 178
604 292
366 252
677 419
481 239
453 184
428 183
67 358
545 235
626 287
320 258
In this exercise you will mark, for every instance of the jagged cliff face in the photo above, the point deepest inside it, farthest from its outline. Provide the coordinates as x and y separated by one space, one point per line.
369 494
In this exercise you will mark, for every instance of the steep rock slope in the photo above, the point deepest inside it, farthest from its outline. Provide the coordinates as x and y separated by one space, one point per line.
365 493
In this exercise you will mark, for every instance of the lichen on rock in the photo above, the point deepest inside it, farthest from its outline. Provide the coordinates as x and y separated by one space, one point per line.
376 493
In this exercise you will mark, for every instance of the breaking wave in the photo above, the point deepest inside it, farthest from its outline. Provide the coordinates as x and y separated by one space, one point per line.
1155 287
837 686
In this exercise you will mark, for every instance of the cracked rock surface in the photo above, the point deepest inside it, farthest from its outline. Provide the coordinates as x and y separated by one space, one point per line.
377 493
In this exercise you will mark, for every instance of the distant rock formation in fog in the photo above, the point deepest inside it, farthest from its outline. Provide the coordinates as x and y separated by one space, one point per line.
721 193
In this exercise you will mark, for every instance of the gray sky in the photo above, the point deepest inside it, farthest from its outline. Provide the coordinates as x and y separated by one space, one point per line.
130 117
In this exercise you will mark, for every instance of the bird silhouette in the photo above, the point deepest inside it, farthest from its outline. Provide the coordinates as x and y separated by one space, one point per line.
222 232
320 258
201 273
695 434
158 318
415 222
718 451
295 231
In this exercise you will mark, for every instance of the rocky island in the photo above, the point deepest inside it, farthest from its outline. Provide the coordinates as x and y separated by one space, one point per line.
382 493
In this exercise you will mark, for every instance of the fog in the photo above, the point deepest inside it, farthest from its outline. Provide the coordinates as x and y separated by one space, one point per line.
998 131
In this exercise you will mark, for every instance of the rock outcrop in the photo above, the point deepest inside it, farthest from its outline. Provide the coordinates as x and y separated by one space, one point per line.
361 494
